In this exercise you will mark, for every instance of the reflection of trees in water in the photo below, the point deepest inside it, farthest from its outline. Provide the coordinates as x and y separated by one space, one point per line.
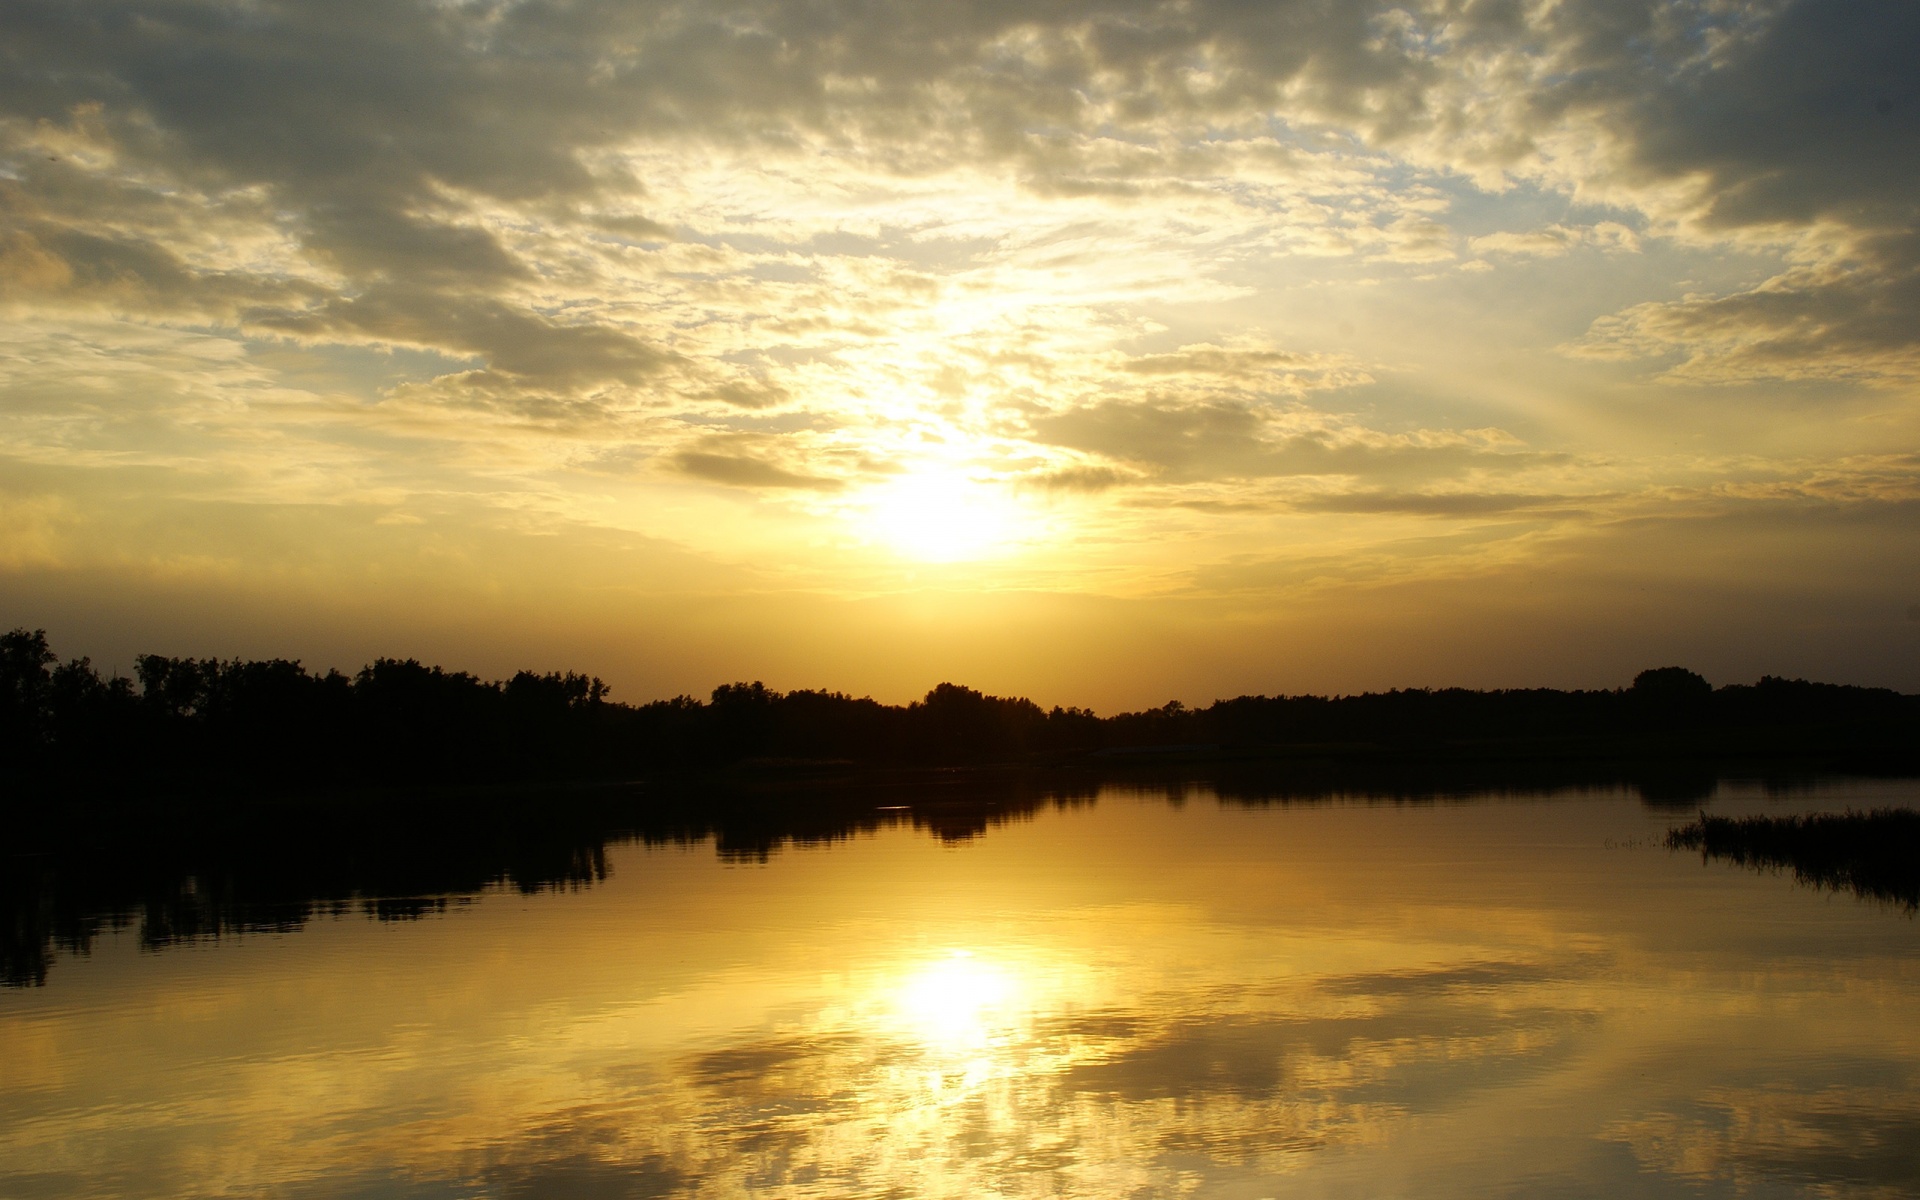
191 875
1874 855
182 871
185 873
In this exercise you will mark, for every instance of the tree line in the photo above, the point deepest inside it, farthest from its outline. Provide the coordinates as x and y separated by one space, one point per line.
402 721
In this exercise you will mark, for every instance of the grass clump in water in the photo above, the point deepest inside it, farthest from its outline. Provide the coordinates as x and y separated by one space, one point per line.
1875 855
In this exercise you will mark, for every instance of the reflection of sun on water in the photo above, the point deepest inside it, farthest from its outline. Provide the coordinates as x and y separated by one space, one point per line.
965 1028
942 515
956 1004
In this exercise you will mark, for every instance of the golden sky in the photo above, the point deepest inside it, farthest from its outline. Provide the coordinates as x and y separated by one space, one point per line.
1104 352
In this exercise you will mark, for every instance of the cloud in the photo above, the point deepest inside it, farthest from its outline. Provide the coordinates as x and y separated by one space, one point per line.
1832 320
1788 113
1085 479
1179 441
46 266
515 342
742 469
556 258
748 394
474 179
1414 238
1437 504
1787 125
1555 240
1217 361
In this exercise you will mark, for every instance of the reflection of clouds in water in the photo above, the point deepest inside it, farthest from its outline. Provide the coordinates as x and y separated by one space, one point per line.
580 1174
971 1074
1360 1007
1845 1139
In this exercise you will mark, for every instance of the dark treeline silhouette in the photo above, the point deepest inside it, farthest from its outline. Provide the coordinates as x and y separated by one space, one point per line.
236 865
239 862
278 724
1875 855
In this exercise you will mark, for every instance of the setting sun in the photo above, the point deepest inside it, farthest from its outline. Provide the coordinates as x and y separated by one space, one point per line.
792 599
943 515
1314 349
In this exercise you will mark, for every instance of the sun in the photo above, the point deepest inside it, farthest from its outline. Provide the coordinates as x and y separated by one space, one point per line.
943 515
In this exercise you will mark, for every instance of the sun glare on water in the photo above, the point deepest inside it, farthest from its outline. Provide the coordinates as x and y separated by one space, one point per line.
943 516
956 1003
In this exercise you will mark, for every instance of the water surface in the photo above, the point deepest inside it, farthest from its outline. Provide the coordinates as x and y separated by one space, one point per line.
1152 994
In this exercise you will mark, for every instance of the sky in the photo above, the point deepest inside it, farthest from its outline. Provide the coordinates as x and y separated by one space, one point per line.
1106 352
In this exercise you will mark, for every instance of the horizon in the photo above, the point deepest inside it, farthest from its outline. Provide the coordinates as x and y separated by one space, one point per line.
945 598
1106 352
778 691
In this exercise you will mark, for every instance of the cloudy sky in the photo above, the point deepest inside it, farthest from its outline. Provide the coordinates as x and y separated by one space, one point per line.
1102 351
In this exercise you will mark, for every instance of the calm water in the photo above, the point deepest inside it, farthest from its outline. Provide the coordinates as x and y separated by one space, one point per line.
1143 996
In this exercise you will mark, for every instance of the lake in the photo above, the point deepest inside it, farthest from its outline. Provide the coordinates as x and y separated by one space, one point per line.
1143 992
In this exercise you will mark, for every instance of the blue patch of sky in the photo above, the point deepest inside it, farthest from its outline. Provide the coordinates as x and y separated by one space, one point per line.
1473 211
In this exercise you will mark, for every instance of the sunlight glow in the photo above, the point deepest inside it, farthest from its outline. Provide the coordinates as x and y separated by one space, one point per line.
957 1003
943 515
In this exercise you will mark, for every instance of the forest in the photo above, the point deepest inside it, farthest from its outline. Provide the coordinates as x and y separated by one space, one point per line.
400 721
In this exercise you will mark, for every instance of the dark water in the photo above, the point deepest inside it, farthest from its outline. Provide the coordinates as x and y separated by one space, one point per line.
1151 994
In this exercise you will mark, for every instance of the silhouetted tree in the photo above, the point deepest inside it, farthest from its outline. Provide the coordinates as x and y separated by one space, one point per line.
26 684
397 720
